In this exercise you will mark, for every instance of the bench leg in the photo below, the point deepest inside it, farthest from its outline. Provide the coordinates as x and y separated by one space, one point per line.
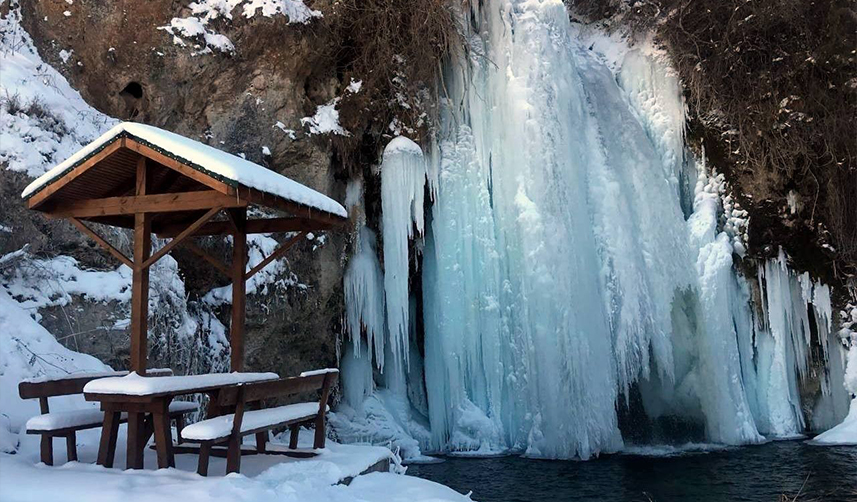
320 435
233 455
261 439
47 449
109 431
136 441
71 446
163 436
204 455
294 433
179 427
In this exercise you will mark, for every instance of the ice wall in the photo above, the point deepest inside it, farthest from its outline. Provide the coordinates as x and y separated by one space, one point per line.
576 256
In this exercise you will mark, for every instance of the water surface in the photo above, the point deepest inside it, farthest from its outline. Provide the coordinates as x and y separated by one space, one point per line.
741 474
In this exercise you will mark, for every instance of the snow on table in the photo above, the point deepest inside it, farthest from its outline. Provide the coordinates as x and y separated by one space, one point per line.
136 385
201 157
88 416
221 427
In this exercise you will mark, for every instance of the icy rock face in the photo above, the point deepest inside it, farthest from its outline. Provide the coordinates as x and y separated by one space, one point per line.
576 255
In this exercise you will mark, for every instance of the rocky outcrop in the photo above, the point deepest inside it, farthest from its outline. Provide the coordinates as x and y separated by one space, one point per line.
125 66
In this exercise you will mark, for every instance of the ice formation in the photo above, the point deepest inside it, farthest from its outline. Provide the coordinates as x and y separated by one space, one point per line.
578 263
403 180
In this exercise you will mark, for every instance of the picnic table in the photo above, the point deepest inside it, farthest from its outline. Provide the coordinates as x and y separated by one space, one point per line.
139 396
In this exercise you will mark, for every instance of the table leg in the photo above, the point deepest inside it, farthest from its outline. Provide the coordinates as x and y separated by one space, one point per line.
109 431
163 434
136 440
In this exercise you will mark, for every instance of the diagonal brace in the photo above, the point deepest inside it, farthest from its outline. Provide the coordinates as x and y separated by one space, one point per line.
182 236
219 265
101 242
276 254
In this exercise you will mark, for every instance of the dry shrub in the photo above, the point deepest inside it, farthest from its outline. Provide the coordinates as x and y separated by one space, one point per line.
395 47
772 94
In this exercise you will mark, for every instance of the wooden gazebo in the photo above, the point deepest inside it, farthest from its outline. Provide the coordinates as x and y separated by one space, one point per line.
155 182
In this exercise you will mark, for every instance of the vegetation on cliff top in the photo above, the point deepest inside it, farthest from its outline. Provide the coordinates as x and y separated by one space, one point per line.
771 87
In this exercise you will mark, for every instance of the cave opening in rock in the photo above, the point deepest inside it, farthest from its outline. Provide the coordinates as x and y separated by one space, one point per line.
132 90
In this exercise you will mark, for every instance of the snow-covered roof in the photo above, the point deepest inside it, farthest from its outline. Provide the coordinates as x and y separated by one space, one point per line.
218 164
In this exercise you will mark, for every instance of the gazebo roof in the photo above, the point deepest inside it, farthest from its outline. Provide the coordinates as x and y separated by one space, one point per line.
107 168
155 182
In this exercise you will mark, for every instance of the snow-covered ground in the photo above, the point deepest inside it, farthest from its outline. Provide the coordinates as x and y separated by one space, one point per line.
263 477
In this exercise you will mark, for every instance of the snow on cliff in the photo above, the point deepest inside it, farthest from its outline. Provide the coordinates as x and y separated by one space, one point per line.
196 27
44 120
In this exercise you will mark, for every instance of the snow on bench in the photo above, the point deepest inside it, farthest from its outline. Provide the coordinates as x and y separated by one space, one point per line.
136 385
319 372
221 427
94 374
87 418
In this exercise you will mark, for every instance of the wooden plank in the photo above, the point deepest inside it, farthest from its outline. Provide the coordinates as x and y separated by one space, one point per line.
101 242
320 434
182 236
280 251
294 208
239 288
176 165
31 390
140 278
259 226
141 203
256 391
41 196
219 265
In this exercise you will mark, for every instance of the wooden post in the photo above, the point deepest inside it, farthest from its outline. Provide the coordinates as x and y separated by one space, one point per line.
239 289
109 433
163 435
140 280
136 440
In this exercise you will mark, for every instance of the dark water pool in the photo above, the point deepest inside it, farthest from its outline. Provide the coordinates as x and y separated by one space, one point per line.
750 473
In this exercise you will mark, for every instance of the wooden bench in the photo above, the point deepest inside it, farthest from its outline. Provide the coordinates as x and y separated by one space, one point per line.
66 423
231 428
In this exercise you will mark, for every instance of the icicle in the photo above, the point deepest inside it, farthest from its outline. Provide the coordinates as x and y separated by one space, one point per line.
403 179
364 297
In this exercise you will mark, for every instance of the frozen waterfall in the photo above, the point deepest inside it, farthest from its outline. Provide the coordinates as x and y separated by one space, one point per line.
576 265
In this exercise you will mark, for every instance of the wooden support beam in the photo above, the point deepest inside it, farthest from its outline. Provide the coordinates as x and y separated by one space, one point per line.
176 165
268 200
140 203
37 199
219 265
239 287
182 236
260 226
101 242
140 278
280 251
